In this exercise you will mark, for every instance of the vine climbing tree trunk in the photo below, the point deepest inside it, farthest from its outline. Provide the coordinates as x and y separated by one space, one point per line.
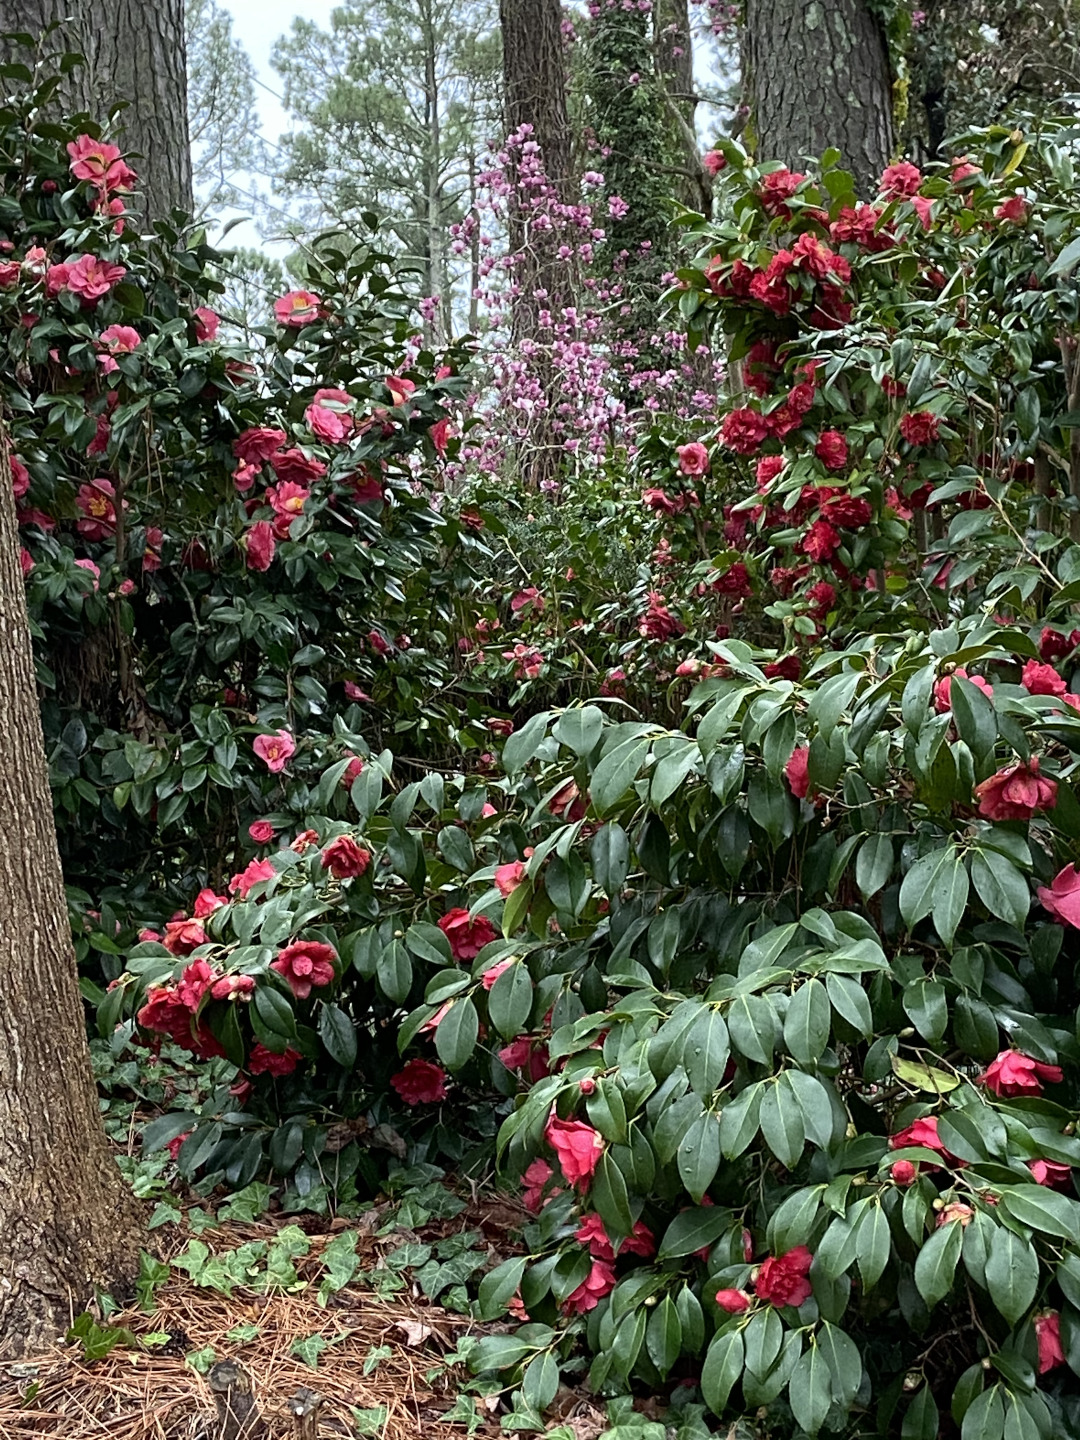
135 52
534 88
674 47
817 75
67 1222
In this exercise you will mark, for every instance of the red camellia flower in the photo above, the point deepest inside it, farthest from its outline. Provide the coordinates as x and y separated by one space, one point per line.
782 1279
831 449
96 502
183 936
821 541
713 161
900 181
768 467
1048 1338
467 937
847 511
206 324
797 771
599 1282
1053 645
258 444
206 902
658 623
1051 1173
777 188
298 308
262 1061
1014 209
533 1182
252 874
920 427
259 544
276 750
1063 898
1014 1073
420 1083
292 467
735 1302
922 1132
578 1147
345 859
1016 792
744 430
943 689
508 877
1040 679
693 458
261 831
304 964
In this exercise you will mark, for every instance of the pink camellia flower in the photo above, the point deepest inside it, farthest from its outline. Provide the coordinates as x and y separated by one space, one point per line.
599 1282
345 859
233 987
527 599
693 458
147 935
783 1279
257 444
440 434
744 431
91 159
117 340
1016 792
533 1182
489 977
293 467
420 1083
253 874
713 161
920 427
206 902
401 390
467 937
353 692
831 449
305 964
355 767
26 561
923 1132
329 415
768 467
298 308
275 750
591 1232
92 278
508 877
1062 899
261 831
260 545
97 503
195 981
287 499
578 1147
206 324
1015 209
903 1172
1048 1339
777 188
899 182
91 569
173 1147
1051 1173
183 936
797 771
943 688
151 557
1014 1073
956 1211
735 1302
1040 679
568 803
262 1061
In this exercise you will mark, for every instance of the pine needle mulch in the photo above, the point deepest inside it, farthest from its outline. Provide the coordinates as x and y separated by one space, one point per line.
136 1394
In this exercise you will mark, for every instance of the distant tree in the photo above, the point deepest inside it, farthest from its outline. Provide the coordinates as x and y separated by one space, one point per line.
135 55
395 103
253 280
973 62
223 118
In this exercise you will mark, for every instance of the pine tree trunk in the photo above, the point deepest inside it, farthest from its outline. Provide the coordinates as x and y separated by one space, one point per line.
818 76
674 47
67 1223
534 87
135 51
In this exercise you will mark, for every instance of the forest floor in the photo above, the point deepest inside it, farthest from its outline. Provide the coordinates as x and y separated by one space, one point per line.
275 1295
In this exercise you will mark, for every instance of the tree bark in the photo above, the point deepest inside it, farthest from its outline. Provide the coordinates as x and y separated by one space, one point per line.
674 47
534 88
67 1222
135 51
817 76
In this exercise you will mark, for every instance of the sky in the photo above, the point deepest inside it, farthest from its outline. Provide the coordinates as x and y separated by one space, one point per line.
257 24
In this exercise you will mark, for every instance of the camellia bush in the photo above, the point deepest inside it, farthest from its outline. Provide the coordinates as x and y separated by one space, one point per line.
717 872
